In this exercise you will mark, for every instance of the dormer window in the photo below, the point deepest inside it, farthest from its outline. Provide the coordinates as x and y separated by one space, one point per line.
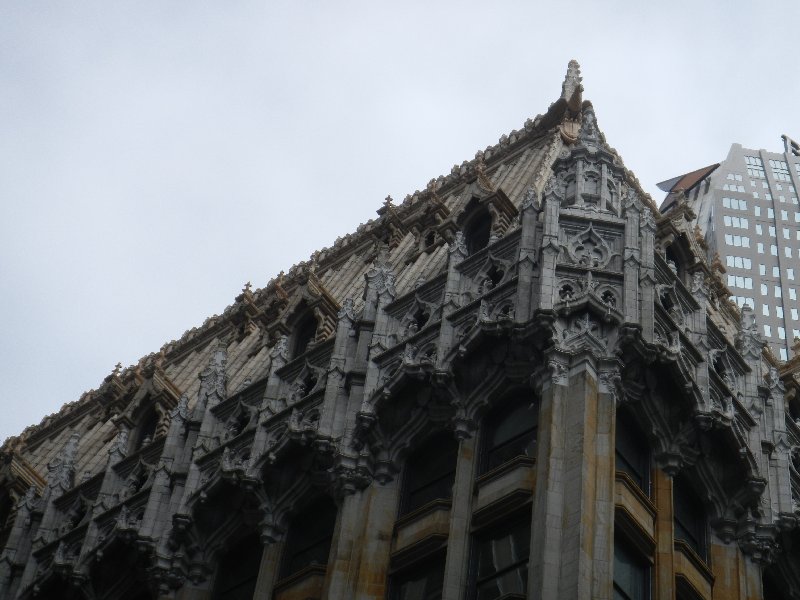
477 231
304 334
147 428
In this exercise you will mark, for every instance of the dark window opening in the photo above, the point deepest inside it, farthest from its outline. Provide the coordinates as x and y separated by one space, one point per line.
308 541
477 232
430 239
238 570
689 516
500 561
511 432
430 472
147 429
421 582
304 334
632 452
421 317
672 260
632 573
495 275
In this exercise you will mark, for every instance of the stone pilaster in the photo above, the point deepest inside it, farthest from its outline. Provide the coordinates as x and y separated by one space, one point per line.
573 512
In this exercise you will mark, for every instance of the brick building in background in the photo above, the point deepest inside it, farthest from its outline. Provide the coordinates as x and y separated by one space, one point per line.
521 382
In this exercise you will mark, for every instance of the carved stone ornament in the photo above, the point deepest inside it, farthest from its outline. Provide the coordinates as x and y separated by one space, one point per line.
458 245
587 248
558 372
381 275
181 410
611 383
347 311
62 468
214 379
529 202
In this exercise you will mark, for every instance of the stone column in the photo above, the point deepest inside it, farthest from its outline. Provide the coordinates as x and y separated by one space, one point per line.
268 570
573 511
379 515
664 575
736 577
457 563
341 578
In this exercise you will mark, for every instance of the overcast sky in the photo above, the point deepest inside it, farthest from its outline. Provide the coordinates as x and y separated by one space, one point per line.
155 156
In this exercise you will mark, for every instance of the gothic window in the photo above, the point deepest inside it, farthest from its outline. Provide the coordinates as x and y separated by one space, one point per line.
632 453
510 432
477 231
689 516
421 582
238 570
304 333
430 472
147 428
632 572
308 541
500 561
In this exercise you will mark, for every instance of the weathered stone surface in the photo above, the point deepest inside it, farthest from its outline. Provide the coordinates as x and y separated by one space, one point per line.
277 446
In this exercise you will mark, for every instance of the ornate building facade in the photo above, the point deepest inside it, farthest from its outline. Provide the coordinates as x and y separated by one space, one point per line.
521 382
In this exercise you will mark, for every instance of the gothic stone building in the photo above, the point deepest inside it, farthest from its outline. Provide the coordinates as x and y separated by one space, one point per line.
521 382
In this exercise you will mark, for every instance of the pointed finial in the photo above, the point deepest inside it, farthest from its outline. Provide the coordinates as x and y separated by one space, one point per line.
117 369
247 287
572 89
388 201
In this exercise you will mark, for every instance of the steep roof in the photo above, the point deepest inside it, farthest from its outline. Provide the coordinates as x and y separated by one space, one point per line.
415 233
684 183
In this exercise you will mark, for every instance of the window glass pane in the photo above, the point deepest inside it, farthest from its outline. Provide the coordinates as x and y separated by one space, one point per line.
308 541
631 573
632 454
238 570
511 433
422 583
430 472
690 518
502 561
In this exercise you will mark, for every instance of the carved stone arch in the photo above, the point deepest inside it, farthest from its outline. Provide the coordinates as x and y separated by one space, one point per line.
492 273
485 218
418 316
587 248
403 416
147 415
310 316
679 256
118 571
59 585
77 513
138 477
236 421
309 380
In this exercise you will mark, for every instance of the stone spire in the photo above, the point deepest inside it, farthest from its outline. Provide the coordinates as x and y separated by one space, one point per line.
571 89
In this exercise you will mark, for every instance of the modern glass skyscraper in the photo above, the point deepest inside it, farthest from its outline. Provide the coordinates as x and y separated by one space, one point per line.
747 209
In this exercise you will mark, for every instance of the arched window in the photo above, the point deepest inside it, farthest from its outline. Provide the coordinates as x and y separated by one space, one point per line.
632 452
689 516
510 432
430 472
238 570
308 541
477 231
304 333
147 428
